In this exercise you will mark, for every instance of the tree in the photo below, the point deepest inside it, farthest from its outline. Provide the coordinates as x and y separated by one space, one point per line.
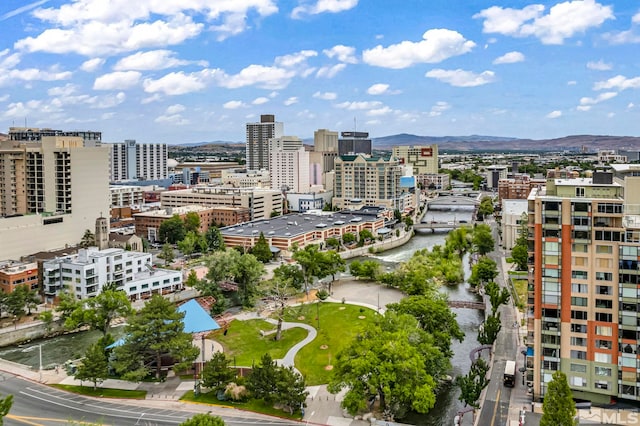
217 372
483 271
203 420
365 235
482 240
263 378
290 389
290 272
31 299
558 406
330 264
192 222
486 207
192 279
279 290
247 272
67 304
472 384
5 406
172 230
220 265
348 238
434 316
520 256
47 318
408 223
261 249
94 366
497 296
156 331
214 238
166 254
369 269
394 359
107 306
16 301
88 239
332 242
489 330
188 244
309 260
458 241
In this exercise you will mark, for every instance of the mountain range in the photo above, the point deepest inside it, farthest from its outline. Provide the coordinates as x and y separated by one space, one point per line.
478 143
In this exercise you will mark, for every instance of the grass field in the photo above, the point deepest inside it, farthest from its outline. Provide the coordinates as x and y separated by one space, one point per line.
255 405
102 392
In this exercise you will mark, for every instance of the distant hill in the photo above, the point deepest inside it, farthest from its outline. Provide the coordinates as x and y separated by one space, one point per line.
477 143
471 143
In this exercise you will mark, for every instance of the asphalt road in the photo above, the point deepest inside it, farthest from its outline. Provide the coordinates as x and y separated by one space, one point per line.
39 405
495 410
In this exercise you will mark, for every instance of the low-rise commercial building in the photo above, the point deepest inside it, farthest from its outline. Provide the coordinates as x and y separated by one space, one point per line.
14 274
85 273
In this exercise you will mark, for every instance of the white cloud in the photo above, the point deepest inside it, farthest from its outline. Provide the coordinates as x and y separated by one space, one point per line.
177 83
295 59
378 89
439 108
107 115
342 53
152 60
233 105
583 108
572 83
175 109
563 21
385 110
509 58
323 6
618 82
109 101
90 27
622 37
92 65
600 98
117 80
599 66
462 78
290 101
330 71
436 46
554 114
22 9
175 120
66 90
259 75
4 98
351 106
327 96
260 101
631 105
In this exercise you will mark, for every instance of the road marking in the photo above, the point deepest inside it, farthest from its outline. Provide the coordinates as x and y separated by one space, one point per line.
495 407
26 420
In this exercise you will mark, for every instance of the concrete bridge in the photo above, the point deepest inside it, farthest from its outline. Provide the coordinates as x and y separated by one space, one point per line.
433 226
454 200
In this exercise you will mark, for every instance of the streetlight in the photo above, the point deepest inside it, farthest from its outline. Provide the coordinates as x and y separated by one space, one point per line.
39 346
524 366
522 370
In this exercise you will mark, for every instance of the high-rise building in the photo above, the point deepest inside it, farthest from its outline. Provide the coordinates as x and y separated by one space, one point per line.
353 186
289 164
354 143
584 243
34 134
325 141
258 136
55 187
423 158
138 161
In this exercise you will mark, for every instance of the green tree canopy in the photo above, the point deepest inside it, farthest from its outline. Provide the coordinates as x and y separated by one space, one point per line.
483 241
217 372
394 359
172 230
520 256
261 250
486 207
94 366
192 222
247 274
166 254
559 407
88 239
483 272
214 238
309 260
5 406
156 331
497 296
368 269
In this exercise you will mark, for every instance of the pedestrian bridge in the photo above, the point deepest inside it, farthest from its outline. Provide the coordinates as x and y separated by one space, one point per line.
433 226
466 304
454 200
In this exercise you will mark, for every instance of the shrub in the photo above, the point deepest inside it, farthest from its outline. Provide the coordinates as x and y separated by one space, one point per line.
235 392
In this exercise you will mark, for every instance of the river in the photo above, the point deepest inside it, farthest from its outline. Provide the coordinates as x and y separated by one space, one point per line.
59 349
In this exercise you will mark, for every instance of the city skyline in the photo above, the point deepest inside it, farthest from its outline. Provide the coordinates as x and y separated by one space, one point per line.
188 71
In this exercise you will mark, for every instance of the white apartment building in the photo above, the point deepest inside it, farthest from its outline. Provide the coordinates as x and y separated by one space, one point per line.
88 271
258 136
289 164
138 161
55 187
353 186
261 202
126 195
512 216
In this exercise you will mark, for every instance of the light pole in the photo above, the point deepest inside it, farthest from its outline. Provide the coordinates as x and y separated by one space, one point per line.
524 365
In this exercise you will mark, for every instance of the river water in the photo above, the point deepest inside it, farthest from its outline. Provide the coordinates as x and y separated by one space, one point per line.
59 349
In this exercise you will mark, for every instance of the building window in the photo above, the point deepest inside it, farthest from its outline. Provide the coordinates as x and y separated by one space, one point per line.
579 315
581 275
578 354
603 330
579 301
579 191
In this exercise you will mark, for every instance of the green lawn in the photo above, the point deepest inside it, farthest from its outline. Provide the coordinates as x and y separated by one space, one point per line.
103 392
244 343
255 405
339 323
521 288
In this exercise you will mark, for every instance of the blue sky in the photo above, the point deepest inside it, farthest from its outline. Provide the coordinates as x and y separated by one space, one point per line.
182 71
